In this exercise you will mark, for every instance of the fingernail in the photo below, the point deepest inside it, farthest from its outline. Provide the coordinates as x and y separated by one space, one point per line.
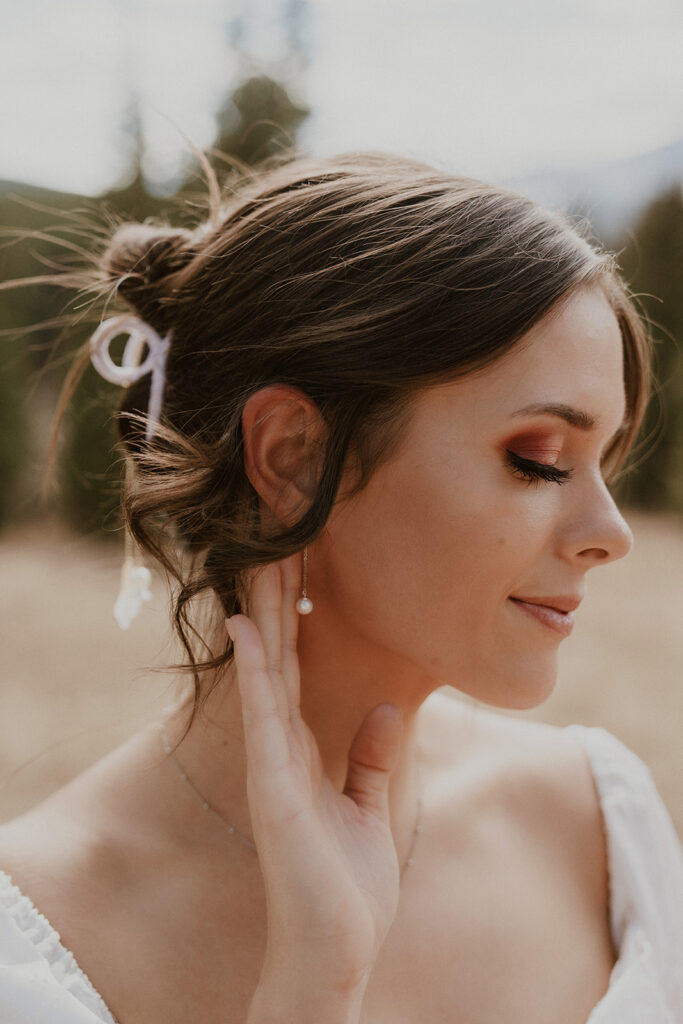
230 629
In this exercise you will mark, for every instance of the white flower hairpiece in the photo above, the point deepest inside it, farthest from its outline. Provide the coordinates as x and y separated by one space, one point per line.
135 578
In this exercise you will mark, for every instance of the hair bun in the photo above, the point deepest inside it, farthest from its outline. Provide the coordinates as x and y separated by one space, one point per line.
141 259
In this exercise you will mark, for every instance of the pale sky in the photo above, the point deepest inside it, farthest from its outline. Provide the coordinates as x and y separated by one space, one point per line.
491 88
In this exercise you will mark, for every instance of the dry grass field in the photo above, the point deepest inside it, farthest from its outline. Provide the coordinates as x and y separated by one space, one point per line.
73 686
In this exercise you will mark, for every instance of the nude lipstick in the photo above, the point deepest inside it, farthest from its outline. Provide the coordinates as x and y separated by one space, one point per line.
552 617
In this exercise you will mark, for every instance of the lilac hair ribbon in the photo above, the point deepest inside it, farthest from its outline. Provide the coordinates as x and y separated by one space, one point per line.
135 579
131 369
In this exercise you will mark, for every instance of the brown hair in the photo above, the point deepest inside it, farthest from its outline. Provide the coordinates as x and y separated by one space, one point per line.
358 279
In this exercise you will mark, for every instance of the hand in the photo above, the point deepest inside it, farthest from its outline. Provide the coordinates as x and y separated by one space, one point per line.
328 859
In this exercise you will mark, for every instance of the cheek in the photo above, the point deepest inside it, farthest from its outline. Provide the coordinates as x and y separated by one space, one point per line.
422 550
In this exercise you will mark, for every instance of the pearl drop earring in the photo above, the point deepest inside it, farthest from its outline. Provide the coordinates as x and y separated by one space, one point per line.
304 605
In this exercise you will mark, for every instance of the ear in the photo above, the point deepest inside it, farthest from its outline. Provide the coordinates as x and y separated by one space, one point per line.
282 429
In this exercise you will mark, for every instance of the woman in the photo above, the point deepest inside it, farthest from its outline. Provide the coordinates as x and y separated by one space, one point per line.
383 407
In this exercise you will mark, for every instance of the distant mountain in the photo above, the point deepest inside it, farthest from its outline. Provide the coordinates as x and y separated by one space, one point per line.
612 194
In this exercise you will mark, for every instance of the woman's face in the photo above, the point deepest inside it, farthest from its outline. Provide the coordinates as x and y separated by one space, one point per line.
423 564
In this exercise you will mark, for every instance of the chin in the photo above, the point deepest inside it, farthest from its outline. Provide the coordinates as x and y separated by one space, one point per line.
530 686
524 701
532 691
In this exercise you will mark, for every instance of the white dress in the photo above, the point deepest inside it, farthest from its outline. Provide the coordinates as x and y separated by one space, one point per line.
41 983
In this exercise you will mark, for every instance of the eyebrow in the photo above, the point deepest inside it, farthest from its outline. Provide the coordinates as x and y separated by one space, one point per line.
575 417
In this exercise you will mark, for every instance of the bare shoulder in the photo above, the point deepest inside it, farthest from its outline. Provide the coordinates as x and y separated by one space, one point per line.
535 775
523 755
78 831
54 860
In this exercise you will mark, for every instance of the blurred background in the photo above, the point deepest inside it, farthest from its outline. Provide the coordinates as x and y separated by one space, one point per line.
578 103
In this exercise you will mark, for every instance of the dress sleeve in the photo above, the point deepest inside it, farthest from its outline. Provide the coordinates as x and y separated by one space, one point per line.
645 861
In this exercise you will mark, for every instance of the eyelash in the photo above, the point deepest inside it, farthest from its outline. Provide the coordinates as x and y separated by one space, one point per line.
533 472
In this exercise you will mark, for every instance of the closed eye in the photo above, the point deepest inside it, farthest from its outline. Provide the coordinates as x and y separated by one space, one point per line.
534 472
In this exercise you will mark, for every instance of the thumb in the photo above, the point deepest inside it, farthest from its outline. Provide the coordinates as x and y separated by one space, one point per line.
372 758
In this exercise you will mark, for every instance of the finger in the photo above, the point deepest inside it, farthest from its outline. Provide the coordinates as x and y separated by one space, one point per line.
265 736
372 758
291 570
265 603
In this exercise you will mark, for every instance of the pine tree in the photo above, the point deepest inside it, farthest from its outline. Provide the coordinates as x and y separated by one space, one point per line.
652 261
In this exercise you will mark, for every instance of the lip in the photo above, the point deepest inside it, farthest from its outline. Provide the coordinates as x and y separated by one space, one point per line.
561 602
561 622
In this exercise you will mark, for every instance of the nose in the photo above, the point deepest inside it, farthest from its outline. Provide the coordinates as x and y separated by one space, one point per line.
597 533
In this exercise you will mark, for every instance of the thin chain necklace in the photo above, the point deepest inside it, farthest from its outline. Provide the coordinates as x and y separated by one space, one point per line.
248 842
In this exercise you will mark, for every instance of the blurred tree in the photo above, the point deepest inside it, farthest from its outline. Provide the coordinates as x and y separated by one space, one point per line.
90 468
90 473
14 426
133 200
27 216
652 262
258 120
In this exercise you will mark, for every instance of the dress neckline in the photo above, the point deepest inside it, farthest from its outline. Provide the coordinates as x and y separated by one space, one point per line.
47 940
633 951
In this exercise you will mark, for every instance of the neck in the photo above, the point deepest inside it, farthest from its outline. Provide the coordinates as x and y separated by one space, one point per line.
336 694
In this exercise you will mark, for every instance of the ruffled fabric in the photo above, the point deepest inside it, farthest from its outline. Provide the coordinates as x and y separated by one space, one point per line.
645 866
40 980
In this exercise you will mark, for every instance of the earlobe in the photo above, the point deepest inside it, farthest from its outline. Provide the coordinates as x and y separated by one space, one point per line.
281 431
